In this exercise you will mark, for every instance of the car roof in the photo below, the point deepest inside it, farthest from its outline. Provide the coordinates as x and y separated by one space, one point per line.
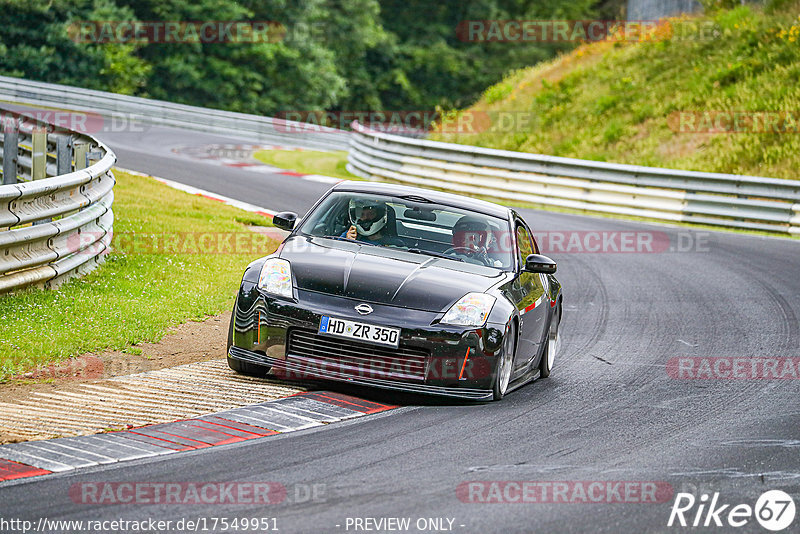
397 190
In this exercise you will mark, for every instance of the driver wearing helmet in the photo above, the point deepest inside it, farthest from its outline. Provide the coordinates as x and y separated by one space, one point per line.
368 218
473 238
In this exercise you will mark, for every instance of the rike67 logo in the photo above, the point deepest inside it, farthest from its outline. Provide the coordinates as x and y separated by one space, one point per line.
774 510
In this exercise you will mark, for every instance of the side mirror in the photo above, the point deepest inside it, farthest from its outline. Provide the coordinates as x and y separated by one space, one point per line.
285 220
536 263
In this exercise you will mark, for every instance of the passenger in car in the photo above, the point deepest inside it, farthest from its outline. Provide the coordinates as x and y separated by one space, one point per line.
372 221
474 240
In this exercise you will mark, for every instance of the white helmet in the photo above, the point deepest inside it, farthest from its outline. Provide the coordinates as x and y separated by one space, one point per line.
375 223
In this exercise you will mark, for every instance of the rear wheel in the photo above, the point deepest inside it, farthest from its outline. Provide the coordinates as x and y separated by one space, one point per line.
551 347
245 368
506 362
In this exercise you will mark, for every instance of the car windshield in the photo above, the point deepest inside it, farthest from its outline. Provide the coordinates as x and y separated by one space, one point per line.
413 224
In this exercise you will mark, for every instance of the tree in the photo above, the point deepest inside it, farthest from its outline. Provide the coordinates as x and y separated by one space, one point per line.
357 55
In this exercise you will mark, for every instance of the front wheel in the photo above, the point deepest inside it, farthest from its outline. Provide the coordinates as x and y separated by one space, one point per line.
551 347
244 368
506 362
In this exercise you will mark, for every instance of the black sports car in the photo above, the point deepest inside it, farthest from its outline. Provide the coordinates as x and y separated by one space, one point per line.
401 288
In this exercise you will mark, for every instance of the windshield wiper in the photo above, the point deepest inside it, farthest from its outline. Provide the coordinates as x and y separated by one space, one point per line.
435 254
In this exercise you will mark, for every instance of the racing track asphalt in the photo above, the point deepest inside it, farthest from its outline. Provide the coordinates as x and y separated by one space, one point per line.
609 411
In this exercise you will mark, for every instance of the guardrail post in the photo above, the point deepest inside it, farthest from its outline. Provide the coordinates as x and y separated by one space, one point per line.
63 154
80 149
38 154
10 144
39 160
93 156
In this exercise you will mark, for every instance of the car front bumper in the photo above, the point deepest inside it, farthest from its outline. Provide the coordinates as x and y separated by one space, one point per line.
431 358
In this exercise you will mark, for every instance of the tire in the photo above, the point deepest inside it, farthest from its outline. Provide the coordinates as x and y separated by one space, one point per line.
243 368
505 364
551 347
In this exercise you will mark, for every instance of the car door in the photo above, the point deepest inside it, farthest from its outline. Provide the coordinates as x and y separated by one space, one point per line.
531 303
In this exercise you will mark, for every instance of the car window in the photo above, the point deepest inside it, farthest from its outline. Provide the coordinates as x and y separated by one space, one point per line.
533 241
524 243
412 224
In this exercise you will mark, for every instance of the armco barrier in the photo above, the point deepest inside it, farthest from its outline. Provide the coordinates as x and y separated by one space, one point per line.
55 207
745 202
255 128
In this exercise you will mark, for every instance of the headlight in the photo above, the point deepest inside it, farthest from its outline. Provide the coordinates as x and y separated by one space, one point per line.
472 310
276 277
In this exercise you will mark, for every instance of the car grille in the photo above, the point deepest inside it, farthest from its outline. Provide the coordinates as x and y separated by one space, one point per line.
353 358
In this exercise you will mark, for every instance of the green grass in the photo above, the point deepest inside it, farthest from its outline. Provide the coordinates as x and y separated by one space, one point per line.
309 162
133 297
619 102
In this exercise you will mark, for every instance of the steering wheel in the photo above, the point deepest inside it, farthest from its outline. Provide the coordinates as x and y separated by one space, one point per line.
461 250
472 254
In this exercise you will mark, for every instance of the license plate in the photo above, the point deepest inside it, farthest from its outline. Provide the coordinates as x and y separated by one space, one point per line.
381 335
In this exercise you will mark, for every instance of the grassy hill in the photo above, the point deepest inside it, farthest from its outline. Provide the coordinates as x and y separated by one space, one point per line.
642 102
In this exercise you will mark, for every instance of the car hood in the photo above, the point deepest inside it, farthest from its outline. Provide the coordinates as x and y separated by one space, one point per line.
383 275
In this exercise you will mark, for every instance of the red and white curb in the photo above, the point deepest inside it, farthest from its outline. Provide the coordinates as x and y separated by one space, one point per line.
300 411
240 156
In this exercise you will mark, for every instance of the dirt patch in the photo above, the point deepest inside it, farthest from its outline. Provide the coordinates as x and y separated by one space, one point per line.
184 375
193 341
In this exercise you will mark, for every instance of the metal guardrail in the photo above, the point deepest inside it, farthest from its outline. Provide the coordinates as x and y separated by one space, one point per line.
55 203
253 127
745 202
